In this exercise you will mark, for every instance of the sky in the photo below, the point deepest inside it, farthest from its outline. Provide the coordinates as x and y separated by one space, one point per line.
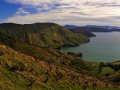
75 12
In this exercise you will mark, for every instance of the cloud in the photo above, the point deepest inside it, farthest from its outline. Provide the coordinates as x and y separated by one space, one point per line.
28 2
102 4
22 12
67 11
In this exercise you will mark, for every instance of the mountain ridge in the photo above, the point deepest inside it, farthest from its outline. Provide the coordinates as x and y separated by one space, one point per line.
94 28
43 34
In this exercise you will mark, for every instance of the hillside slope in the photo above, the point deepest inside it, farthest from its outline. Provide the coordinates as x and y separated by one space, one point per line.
83 31
80 30
22 72
43 34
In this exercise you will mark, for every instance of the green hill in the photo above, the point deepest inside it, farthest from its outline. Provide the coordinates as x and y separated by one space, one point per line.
42 34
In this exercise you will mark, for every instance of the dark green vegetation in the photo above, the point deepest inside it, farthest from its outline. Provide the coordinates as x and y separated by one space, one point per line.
82 31
109 71
42 34
29 60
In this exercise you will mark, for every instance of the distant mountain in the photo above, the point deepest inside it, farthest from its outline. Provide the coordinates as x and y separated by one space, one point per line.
78 29
70 26
83 31
95 28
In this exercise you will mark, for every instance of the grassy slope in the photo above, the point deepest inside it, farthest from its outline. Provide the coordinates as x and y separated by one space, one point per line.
22 72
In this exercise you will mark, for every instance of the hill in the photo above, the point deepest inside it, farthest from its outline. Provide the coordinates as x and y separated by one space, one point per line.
42 34
23 72
80 30
83 31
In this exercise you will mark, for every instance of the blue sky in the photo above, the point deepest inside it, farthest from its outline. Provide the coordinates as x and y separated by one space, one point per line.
77 12
7 9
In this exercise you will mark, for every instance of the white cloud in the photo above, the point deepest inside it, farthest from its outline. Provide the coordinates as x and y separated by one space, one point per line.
31 2
68 11
22 12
